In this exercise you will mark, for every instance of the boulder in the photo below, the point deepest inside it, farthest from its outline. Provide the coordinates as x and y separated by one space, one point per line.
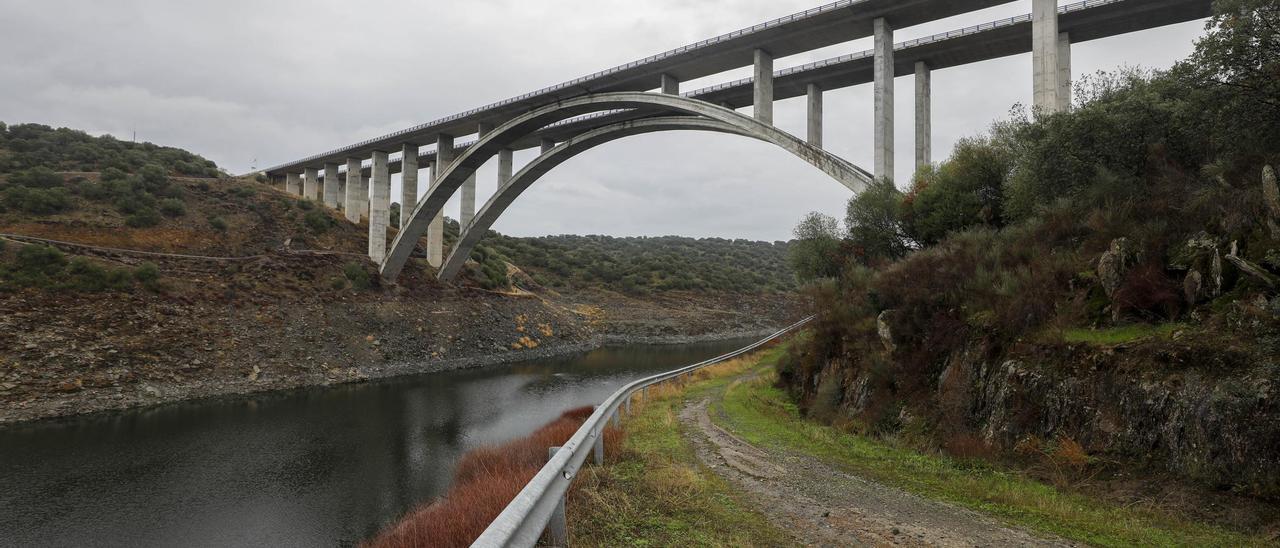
1115 263
1202 261
885 330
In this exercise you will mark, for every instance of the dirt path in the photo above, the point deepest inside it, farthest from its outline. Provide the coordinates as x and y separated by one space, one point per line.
823 506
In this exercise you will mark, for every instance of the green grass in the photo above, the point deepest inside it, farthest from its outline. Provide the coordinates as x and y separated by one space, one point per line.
657 493
764 415
1120 334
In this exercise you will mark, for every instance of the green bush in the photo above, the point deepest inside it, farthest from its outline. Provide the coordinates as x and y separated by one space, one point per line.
306 205
874 222
173 208
38 201
113 174
36 177
357 275
143 218
815 253
260 178
148 274
318 221
154 177
965 191
218 223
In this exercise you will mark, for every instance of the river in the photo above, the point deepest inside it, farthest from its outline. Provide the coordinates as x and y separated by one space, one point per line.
311 467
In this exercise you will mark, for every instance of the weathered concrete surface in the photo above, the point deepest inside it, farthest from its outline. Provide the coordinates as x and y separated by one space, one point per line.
435 233
670 84
884 73
815 115
292 184
352 204
1064 72
408 180
331 185
379 207
1044 55
924 114
763 82
310 188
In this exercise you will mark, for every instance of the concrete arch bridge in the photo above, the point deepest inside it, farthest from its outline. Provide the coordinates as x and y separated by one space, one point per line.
644 97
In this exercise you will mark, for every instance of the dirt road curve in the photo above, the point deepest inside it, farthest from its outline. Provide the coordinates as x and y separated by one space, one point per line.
823 506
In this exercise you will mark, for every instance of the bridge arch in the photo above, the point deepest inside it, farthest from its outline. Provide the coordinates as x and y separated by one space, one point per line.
453 176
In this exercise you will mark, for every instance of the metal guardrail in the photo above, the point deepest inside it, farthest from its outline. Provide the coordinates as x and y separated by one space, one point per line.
525 518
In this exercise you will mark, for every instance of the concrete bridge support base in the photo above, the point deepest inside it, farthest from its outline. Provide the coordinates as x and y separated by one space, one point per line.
310 186
883 74
435 231
924 115
1044 55
379 207
331 185
291 184
408 181
352 203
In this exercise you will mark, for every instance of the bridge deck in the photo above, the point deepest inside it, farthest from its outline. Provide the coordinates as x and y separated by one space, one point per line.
1084 21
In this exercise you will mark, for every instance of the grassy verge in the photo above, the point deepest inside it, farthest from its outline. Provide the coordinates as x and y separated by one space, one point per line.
655 492
1120 334
762 414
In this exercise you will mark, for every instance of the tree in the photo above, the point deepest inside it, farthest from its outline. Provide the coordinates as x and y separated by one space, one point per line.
816 252
965 191
875 225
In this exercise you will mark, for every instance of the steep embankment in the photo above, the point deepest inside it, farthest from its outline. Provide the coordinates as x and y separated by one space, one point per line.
121 289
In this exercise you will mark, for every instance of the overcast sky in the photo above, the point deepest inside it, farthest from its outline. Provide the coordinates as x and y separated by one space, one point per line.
253 84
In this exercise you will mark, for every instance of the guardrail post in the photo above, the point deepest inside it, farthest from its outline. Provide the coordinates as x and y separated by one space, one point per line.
599 448
557 531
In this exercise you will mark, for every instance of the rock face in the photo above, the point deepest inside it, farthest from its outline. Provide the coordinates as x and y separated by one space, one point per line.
1115 263
1202 260
885 330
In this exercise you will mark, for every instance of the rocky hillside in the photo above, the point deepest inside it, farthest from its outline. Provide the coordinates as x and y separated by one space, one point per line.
140 284
1093 291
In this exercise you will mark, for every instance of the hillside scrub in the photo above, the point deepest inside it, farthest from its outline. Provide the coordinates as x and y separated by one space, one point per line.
1146 220
63 149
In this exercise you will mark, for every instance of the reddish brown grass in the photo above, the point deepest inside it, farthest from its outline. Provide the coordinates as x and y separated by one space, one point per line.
485 481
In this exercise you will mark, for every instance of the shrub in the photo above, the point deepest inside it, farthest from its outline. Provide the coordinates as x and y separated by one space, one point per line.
36 177
113 174
306 205
318 221
260 178
148 274
244 192
357 275
143 218
173 208
154 177
874 223
816 252
965 191
217 223
38 201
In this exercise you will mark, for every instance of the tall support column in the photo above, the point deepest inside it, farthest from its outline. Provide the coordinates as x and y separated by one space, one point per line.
670 85
435 231
883 47
1044 55
379 207
815 115
924 115
1064 72
291 184
468 209
547 145
352 202
331 185
505 157
408 181
763 80
310 176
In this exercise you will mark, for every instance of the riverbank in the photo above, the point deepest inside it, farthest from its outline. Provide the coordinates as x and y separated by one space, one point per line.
754 454
150 352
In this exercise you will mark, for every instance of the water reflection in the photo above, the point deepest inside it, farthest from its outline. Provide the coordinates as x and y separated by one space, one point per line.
303 468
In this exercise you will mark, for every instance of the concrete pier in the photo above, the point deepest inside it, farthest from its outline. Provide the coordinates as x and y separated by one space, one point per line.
763 81
815 115
408 181
379 207
1044 55
505 160
467 211
883 73
331 185
1064 72
352 199
924 115
292 184
310 188
435 231
670 85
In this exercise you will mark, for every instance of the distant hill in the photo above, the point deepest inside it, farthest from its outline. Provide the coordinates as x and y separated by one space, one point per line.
26 146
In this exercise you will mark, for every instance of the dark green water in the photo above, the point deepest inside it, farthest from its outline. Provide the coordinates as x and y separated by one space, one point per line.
312 467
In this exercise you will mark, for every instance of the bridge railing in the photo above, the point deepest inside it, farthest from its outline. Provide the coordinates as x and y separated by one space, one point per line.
525 518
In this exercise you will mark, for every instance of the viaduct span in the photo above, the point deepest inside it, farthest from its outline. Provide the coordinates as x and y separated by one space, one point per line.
644 97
